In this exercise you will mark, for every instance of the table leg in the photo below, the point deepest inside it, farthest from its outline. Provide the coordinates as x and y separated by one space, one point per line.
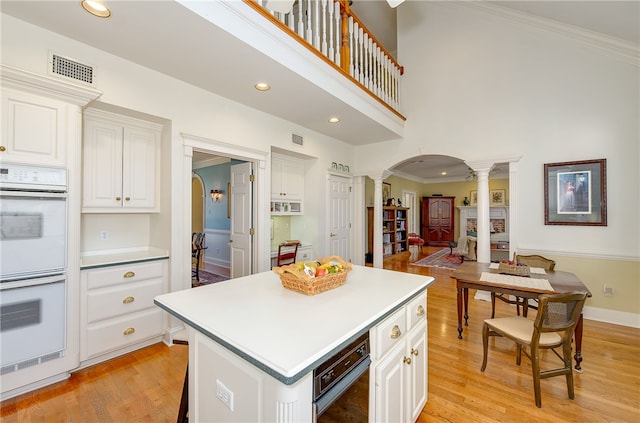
466 306
459 301
578 336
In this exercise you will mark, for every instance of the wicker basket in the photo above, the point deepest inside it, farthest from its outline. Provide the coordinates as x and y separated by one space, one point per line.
299 281
512 269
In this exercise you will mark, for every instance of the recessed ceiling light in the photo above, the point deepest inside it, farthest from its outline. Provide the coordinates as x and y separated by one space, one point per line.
334 119
96 8
262 86
443 173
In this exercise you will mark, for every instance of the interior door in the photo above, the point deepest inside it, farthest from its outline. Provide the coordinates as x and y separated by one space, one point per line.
339 213
241 200
197 210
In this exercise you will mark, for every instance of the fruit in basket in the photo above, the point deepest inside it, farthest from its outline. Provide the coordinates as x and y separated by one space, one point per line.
321 271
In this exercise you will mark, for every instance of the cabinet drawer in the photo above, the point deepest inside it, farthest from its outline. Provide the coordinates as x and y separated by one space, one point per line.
108 276
389 332
121 299
123 331
416 310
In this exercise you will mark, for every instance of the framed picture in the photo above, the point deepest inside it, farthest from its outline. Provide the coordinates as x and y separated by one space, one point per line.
473 198
575 193
497 197
386 192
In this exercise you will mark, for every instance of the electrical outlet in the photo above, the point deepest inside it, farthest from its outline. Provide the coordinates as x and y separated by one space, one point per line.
224 394
104 235
607 290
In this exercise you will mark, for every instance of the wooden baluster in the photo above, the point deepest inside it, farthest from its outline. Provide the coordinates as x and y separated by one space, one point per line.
331 51
359 52
309 31
356 42
300 21
324 27
339 33
365 46
350 46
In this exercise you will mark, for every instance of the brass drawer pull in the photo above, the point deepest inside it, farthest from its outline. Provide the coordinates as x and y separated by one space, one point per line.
3 148
128 300
407 360
118 198
129 274
128 331
415 352
395 332
420 311
127 198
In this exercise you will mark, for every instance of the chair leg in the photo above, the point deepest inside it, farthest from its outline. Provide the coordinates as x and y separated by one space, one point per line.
566 348
184 400
485 346
493 305
535 369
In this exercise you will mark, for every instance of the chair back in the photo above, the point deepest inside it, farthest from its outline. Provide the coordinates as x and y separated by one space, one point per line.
535 260
559 312
287 252
197 241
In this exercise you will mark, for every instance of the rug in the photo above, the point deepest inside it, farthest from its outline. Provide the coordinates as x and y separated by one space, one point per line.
207 278
442 258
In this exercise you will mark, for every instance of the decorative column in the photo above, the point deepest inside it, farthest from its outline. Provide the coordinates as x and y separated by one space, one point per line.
377 217
482 170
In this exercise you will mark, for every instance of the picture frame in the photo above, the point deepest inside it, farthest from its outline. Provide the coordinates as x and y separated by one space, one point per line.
497 197
575 193
386 192
473 198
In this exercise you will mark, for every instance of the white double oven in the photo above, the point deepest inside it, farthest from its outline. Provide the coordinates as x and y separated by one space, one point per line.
33 261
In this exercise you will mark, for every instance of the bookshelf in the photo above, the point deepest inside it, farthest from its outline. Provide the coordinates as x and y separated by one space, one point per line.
394 230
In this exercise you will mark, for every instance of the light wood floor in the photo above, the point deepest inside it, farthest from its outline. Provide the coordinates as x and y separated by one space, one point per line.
145 386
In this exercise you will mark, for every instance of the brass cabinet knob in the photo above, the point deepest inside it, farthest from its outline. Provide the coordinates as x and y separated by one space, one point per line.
128 300
406 360
128 331
129 274
127 198
118 198
3 148
415 352
395 332
420 311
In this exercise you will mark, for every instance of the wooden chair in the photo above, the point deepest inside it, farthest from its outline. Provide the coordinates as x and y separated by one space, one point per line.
553 327
532 260
197 246
287 252
414 239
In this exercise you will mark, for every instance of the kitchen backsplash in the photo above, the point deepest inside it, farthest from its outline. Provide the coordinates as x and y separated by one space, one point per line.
280 230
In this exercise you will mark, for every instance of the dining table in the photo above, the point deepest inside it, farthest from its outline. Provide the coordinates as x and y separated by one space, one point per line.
488 277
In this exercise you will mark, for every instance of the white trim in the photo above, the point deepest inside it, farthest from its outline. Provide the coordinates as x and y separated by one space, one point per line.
615 317
624 50
593 254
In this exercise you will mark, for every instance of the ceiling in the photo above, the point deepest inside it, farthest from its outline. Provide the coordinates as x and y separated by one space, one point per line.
160 44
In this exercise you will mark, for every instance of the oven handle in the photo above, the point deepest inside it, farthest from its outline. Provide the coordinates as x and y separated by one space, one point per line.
33 194
322 403
35 281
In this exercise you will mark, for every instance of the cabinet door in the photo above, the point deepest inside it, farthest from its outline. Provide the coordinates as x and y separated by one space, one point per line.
287 179
34 129
102 165
140 159
390 386
417 371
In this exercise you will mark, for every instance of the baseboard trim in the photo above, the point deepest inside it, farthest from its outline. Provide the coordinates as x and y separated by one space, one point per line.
604 315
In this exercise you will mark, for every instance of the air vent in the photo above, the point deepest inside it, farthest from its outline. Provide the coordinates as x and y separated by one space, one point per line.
72 69
297 139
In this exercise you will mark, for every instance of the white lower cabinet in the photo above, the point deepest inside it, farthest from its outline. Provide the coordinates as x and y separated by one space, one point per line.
117 310
398 381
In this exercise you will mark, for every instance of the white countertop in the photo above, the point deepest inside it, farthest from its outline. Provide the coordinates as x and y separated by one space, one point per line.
286 333
93 259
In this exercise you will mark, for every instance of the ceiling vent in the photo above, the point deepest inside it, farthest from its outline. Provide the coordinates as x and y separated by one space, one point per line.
72 69
297 139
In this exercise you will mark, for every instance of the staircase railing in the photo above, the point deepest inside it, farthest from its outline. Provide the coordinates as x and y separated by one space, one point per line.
332 30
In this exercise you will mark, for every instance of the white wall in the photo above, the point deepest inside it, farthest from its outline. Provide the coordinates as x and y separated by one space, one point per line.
477 86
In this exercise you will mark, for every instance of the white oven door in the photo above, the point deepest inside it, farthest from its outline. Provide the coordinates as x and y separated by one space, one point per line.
32 322
33 233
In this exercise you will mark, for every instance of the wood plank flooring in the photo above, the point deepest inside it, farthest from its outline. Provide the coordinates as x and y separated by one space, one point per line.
145 386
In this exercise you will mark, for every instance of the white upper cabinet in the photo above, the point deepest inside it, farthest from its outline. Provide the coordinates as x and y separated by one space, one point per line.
34 129
121 163
287 185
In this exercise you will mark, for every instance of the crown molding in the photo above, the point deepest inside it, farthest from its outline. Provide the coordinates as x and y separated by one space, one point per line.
624 50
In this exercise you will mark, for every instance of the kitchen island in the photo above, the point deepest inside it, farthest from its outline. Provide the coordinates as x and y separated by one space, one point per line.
253 345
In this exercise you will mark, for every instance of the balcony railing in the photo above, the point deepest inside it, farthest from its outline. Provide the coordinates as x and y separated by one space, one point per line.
332 30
